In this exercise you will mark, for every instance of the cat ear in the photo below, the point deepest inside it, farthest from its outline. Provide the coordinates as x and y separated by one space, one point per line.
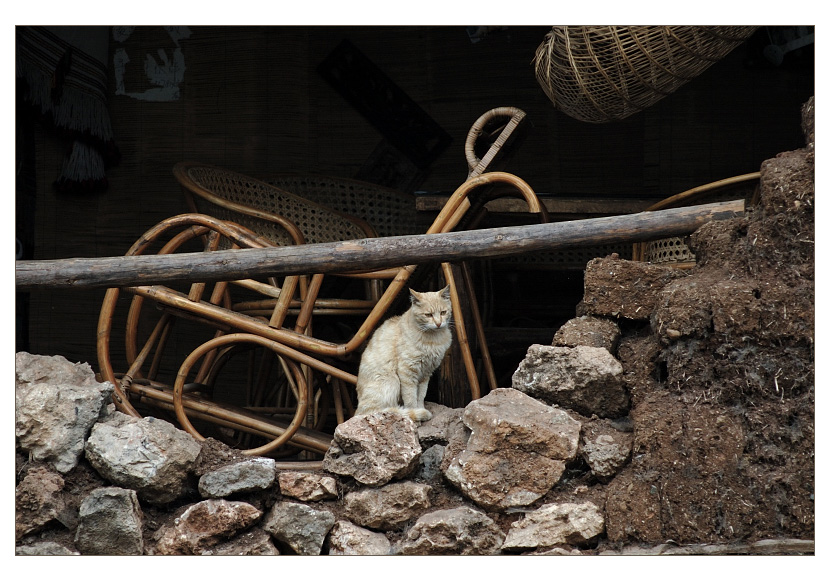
445 292
414 296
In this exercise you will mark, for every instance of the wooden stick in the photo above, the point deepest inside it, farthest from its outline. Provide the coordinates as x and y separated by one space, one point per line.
366 254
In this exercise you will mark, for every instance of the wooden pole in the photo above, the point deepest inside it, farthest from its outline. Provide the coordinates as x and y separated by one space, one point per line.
366 254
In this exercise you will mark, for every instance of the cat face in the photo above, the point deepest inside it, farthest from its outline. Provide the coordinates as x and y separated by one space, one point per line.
431 310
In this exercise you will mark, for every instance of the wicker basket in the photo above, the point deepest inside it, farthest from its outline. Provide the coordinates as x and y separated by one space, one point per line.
606 73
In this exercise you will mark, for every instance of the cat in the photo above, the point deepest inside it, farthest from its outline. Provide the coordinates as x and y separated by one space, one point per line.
402 354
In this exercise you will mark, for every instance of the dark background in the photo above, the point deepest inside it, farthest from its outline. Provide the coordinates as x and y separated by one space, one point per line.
253 99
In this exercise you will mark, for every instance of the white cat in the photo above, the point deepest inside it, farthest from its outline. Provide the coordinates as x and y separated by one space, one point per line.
402 355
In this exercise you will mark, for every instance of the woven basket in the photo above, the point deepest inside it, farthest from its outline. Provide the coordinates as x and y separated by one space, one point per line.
606 73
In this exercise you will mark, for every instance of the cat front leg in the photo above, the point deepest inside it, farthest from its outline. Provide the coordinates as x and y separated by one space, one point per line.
422 394
413 402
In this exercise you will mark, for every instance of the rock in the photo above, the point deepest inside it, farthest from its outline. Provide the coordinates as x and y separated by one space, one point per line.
387 508
301 527
246 476
346 538
456 531
37 500
515 452
204 525
589 332
623 288
435 430
587 380
148 455
250 543
307 486
431 462
44 549
374 449
56 404
110 523
555 524
605 449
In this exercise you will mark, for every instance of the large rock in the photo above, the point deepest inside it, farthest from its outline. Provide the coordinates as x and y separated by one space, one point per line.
253 542
299 526
456 531
38 500
587 380
346 538
605 449
148 455
44 549
590 332
437 429
374 449
246 476
204 525
307 486
555 524
56 404
110 523
515 451
389 507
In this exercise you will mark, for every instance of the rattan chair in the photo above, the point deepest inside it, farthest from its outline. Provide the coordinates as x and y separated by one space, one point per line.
304 359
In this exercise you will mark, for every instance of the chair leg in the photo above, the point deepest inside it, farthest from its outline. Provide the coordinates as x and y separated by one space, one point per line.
461 332
479 327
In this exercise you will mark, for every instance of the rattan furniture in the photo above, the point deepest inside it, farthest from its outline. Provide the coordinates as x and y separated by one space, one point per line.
310 369
674 251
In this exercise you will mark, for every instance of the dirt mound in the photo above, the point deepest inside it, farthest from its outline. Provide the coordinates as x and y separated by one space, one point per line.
722 374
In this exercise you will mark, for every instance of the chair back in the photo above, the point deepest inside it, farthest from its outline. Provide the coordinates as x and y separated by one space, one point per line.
389 211
280 216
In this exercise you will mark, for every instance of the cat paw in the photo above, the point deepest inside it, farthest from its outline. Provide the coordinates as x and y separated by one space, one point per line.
420 414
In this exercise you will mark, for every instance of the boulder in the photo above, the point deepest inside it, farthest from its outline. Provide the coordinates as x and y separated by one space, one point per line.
148 455
307 486
389 507
455 531
299 526
587 380
245 476
555 524
588 331
204 525
605 449
110 523
56 404
374 449
346 538
254 542
38 500
515 449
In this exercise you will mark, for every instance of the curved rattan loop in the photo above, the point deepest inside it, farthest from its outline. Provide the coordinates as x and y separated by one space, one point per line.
606 73
514 117
191 225
212 346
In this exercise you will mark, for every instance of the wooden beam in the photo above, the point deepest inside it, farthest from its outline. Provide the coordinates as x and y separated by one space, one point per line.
366 254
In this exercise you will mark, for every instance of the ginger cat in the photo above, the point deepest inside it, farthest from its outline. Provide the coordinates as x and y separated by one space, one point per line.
402 355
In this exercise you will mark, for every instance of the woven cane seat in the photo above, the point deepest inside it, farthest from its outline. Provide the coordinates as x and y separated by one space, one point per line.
389 211
257 205
606 73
